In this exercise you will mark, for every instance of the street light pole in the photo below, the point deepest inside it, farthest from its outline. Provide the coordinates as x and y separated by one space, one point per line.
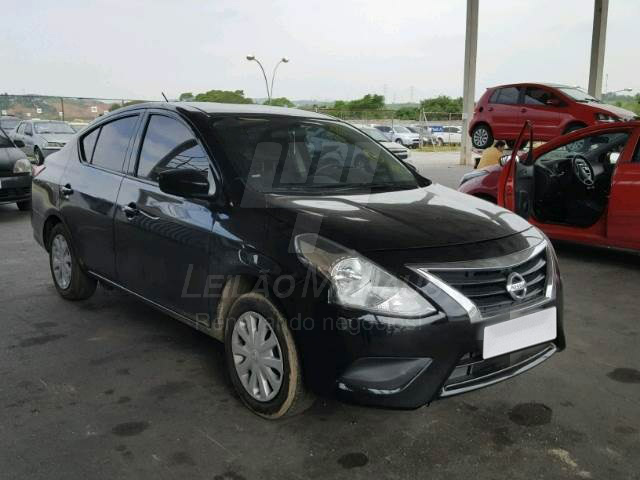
266 82
252 58
273 77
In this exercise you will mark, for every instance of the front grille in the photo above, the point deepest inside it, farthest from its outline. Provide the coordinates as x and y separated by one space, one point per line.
487 287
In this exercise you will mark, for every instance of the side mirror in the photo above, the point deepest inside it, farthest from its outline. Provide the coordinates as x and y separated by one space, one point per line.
554 102
185 182
18 143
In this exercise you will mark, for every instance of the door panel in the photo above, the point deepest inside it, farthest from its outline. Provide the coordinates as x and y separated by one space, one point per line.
162 240
505 115
623 225
88 194
516 183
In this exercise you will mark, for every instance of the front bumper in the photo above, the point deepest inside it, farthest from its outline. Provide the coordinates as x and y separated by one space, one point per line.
14 188
407 363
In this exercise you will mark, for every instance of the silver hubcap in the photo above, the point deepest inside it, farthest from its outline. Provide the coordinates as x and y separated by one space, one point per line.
257 356
61 261
480 136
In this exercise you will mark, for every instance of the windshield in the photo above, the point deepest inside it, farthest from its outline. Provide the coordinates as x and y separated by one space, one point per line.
53 127
375 134
289 154
578 95
402 130
9 123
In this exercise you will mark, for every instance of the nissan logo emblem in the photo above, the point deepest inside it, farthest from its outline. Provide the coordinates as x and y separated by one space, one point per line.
516 286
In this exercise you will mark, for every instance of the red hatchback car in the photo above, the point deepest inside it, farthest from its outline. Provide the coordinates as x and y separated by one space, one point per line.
582 187
552 109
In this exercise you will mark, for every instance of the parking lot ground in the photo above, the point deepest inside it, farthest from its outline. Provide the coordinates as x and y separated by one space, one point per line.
109 388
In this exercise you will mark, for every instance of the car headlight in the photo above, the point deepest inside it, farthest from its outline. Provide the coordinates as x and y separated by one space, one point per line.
53 145
603 117
22 166
475 173
356 282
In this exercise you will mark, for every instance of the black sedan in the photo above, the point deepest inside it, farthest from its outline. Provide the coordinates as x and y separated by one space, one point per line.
15 173
323 262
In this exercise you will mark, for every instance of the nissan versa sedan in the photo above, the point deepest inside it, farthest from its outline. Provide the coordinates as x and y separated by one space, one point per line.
324 263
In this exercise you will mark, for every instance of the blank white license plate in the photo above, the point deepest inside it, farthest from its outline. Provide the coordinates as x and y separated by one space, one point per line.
521 332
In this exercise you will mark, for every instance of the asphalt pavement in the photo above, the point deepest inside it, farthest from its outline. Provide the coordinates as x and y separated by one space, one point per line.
109 388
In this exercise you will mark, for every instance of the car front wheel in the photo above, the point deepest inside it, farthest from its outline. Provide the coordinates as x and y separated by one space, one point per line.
70 280
262 358
481 137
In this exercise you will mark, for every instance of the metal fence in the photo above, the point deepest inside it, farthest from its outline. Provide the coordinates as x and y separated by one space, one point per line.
394 117
50 107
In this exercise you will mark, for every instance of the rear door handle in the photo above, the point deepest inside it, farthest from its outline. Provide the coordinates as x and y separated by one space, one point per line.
66 190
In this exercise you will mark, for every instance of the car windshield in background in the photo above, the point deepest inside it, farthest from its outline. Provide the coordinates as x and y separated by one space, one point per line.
303 155
53 127
9 123
577 94
375 134
402 130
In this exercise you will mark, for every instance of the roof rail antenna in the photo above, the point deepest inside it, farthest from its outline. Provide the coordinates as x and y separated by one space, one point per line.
165 97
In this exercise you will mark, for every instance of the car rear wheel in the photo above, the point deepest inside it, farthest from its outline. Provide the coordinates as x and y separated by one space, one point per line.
481 136
262 359
24 206
70 280
399 140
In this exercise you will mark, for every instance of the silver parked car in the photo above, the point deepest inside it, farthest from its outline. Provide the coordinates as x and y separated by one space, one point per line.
43 137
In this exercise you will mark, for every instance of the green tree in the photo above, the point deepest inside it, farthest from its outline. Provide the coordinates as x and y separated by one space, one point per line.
186 97
408 113
223 96
368 102
279 102
442 103
116 106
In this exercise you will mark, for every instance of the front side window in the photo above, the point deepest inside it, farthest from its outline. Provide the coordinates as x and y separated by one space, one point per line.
28 130
9 123
506 96
53 127
537 96
169 145
304 155
113 142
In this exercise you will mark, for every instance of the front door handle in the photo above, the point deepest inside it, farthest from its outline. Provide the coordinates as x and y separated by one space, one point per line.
130 210
523 110
66 190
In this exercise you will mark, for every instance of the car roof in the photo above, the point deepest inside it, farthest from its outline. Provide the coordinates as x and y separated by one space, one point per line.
228 108
540 84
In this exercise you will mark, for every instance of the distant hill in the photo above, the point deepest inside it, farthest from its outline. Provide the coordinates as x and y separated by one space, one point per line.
74 108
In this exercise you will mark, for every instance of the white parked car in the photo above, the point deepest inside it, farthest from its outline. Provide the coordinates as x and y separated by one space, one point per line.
400 135
448 135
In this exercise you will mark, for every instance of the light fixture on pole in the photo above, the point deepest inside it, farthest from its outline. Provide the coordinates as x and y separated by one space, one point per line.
252 58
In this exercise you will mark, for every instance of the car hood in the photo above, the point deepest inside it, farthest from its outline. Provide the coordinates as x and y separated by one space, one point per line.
393 146
8 157
431 216
57 137
617 111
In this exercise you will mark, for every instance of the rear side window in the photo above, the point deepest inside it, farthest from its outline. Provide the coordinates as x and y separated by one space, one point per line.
168 145
506 96
88 142
112 144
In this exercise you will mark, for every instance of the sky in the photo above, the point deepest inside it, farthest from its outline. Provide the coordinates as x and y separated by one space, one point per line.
337 49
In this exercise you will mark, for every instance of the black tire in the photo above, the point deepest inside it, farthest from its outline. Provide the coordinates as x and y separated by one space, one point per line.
292 398
399 140
479 139
81 286
24 206
39 156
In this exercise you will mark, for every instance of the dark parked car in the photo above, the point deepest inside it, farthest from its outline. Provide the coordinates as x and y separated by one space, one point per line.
552 109
323 267
15 173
